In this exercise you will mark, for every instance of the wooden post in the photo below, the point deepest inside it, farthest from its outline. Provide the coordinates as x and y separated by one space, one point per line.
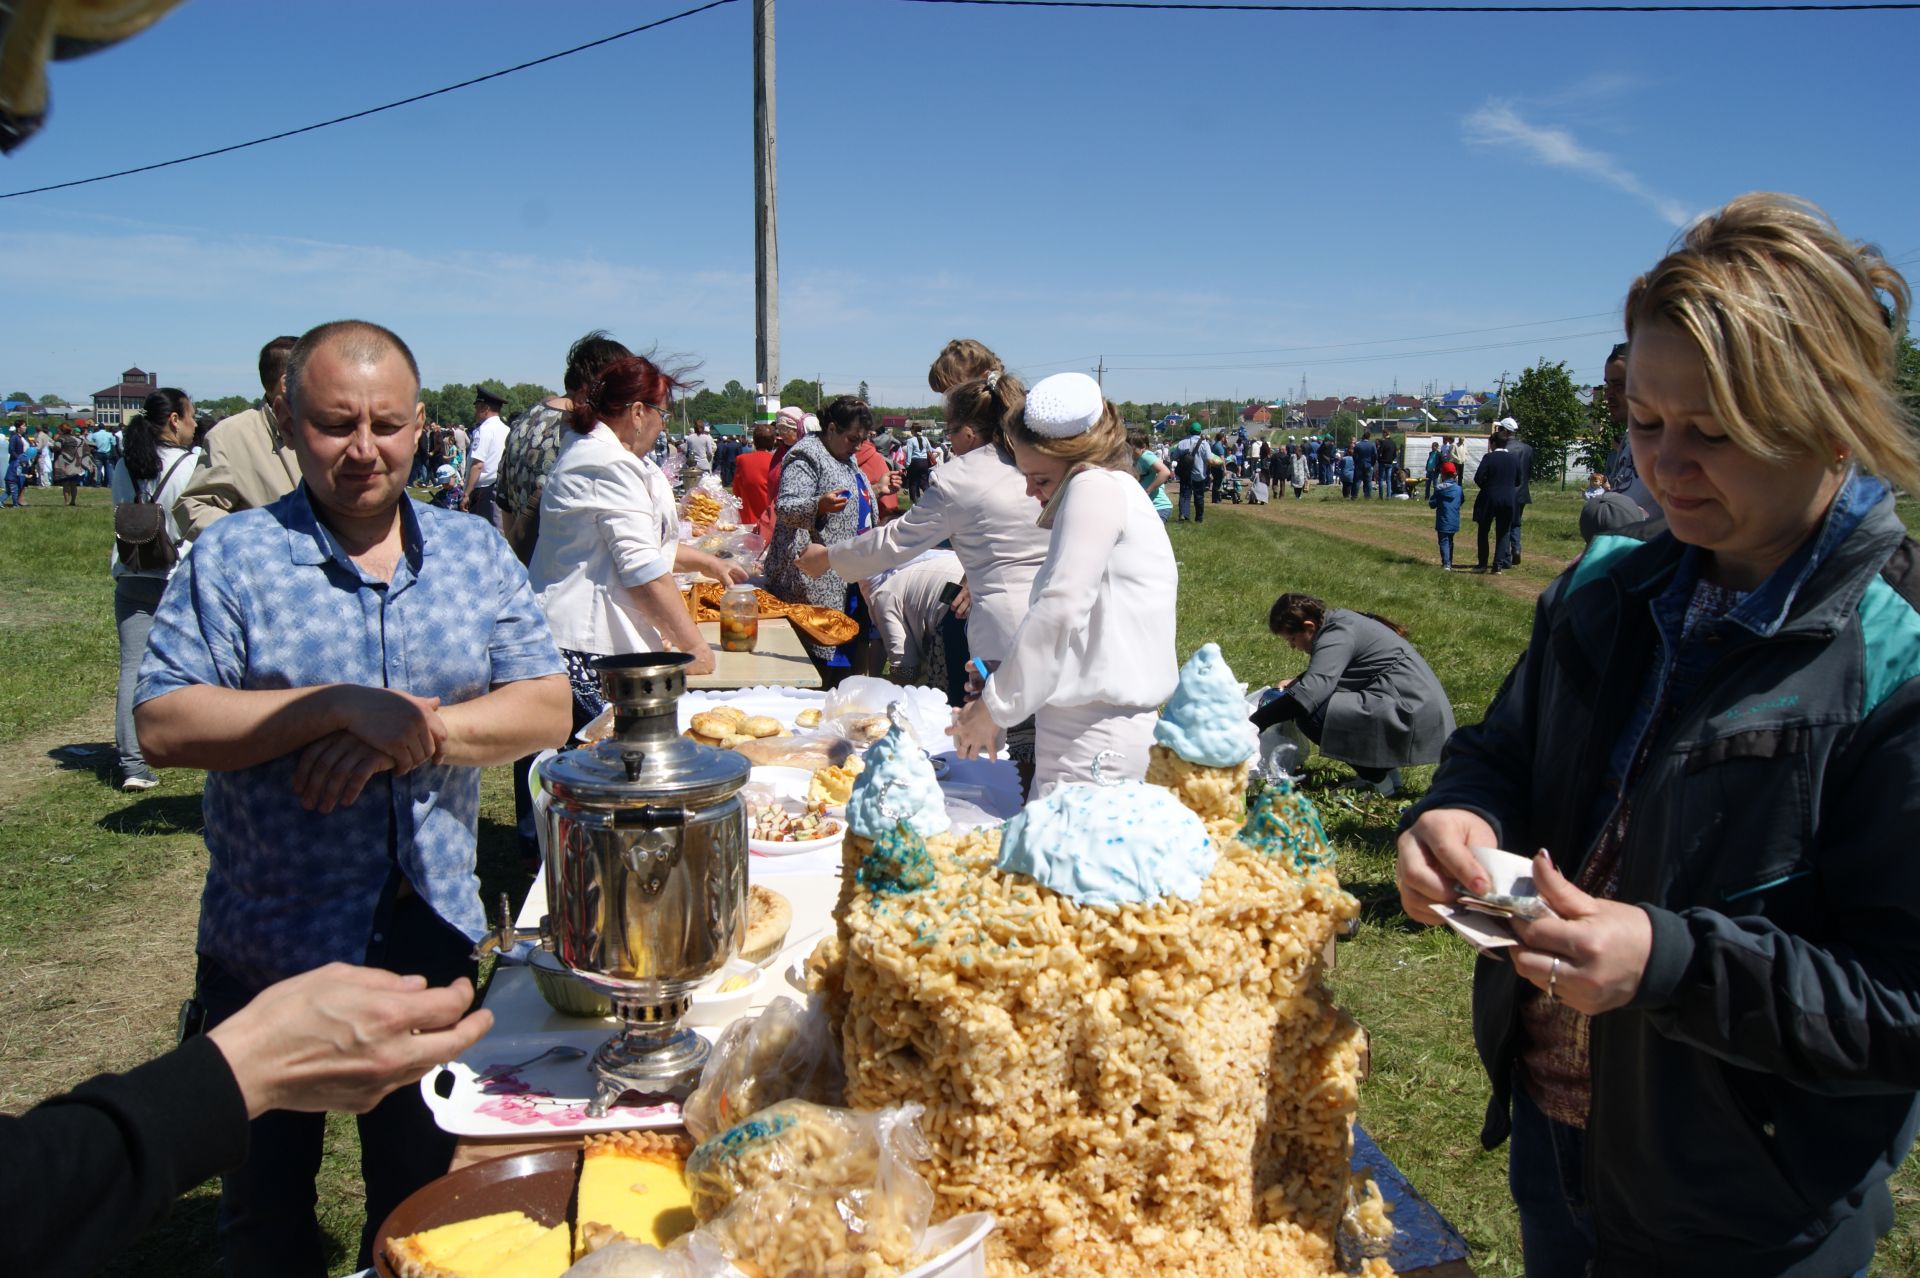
766 236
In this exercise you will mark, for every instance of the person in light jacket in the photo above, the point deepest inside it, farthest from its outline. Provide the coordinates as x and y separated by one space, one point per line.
1445 496
1366 697
977 504
1093 659
160 463
609 545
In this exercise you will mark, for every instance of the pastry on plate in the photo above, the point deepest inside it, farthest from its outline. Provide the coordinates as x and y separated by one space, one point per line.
633 1186
760 725
712 723
831 784
769 915
808 718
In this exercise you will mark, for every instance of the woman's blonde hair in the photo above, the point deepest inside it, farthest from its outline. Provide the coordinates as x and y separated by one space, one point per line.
1798 328
962 360
1104 444
985 404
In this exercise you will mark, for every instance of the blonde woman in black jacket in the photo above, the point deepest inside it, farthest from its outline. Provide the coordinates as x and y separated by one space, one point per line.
1707 1056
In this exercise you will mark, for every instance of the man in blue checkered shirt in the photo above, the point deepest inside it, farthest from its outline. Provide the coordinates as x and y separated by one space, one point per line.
343 663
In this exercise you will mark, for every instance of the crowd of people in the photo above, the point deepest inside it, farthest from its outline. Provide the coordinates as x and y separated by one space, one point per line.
1704 1045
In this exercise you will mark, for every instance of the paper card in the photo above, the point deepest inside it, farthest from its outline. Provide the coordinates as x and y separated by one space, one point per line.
1484 932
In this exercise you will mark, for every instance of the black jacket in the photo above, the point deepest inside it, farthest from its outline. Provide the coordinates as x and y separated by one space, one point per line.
89 1171
1498 478
1523 455
1750 1102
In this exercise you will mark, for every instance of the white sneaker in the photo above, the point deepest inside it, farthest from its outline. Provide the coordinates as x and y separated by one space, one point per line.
140 781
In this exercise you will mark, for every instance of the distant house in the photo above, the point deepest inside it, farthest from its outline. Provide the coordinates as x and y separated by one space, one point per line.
723 429
1257 414
116 404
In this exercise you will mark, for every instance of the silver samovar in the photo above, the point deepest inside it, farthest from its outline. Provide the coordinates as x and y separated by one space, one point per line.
646 869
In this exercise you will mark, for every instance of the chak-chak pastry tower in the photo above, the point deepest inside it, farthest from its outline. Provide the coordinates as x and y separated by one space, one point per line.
1112 1010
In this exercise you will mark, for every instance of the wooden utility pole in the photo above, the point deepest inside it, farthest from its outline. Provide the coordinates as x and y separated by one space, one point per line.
1100 373
766 232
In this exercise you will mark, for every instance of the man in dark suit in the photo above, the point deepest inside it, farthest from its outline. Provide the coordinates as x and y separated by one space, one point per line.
1522 454
1366 455
1499 479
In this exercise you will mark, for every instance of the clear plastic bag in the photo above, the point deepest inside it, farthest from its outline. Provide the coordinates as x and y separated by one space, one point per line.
785 1052
1284 749
803 1189
633 1260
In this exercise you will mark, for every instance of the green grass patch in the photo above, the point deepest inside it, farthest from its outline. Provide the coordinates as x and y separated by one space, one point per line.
63 654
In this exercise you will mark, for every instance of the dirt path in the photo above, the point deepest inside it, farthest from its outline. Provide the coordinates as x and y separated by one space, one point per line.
29 763
105 995
1352 521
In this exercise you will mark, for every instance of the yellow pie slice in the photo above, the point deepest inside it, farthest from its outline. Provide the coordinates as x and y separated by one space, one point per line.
461 1249
546 1256
633 1185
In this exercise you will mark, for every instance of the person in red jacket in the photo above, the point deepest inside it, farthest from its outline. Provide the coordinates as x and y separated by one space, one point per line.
750 476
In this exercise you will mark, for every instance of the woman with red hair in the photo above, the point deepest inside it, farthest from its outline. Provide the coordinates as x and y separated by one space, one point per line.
609 534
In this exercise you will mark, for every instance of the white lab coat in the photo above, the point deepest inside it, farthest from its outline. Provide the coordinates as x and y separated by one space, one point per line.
1097 641
607 523
978 504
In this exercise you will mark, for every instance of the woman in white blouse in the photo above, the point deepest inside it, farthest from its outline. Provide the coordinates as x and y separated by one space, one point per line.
1093 658
609 534
977 503
159 465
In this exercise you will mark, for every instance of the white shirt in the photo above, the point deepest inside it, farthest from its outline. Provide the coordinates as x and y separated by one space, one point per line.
978 504
489 440
121 487
1100 628
700 451
607 523
906 607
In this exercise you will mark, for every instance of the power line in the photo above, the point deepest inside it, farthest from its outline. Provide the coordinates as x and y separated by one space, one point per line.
361 115
1432 8
1358 359
1378 341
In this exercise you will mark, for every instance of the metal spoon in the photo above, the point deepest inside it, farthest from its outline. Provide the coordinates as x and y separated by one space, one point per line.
559 1052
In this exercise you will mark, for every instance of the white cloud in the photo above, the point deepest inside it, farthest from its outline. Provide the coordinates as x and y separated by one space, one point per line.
1498 124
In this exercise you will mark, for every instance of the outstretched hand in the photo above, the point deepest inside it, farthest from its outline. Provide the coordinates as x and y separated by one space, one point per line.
1602 946
974 731
1434 857
342 1037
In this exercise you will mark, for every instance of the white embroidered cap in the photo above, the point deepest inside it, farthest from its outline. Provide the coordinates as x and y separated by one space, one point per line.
1064 405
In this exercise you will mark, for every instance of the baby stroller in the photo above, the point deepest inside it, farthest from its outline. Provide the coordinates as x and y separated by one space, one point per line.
1231 485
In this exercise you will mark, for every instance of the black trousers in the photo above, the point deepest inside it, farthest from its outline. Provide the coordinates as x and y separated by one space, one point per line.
267 1222
1499 522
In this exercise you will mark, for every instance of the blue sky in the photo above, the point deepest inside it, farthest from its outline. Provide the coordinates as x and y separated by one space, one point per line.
1217 204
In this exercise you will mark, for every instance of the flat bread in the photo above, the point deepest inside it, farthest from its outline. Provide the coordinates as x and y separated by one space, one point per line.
823 625
769 915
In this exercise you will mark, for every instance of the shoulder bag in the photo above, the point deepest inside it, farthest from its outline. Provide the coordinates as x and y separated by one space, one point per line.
140 534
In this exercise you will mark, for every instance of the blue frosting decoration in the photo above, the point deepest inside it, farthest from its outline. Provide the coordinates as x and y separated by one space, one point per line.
898 863
1283 823
1206 721
1110 845
897 785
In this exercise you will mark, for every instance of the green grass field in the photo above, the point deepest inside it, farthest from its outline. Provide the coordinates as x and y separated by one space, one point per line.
98 891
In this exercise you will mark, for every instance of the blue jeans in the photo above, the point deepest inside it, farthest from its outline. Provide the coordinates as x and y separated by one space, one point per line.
1513 538
1196 491
134 601
1446 549
1546 1174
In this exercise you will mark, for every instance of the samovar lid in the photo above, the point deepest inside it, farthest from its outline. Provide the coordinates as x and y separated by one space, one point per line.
646 760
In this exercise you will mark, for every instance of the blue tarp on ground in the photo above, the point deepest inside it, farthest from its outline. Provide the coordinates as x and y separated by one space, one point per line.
1422 1237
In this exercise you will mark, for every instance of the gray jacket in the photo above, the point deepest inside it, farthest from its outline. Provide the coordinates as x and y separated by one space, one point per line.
808 473
1383 707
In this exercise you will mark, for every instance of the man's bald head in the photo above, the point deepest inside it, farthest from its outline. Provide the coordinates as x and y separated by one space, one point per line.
354 341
